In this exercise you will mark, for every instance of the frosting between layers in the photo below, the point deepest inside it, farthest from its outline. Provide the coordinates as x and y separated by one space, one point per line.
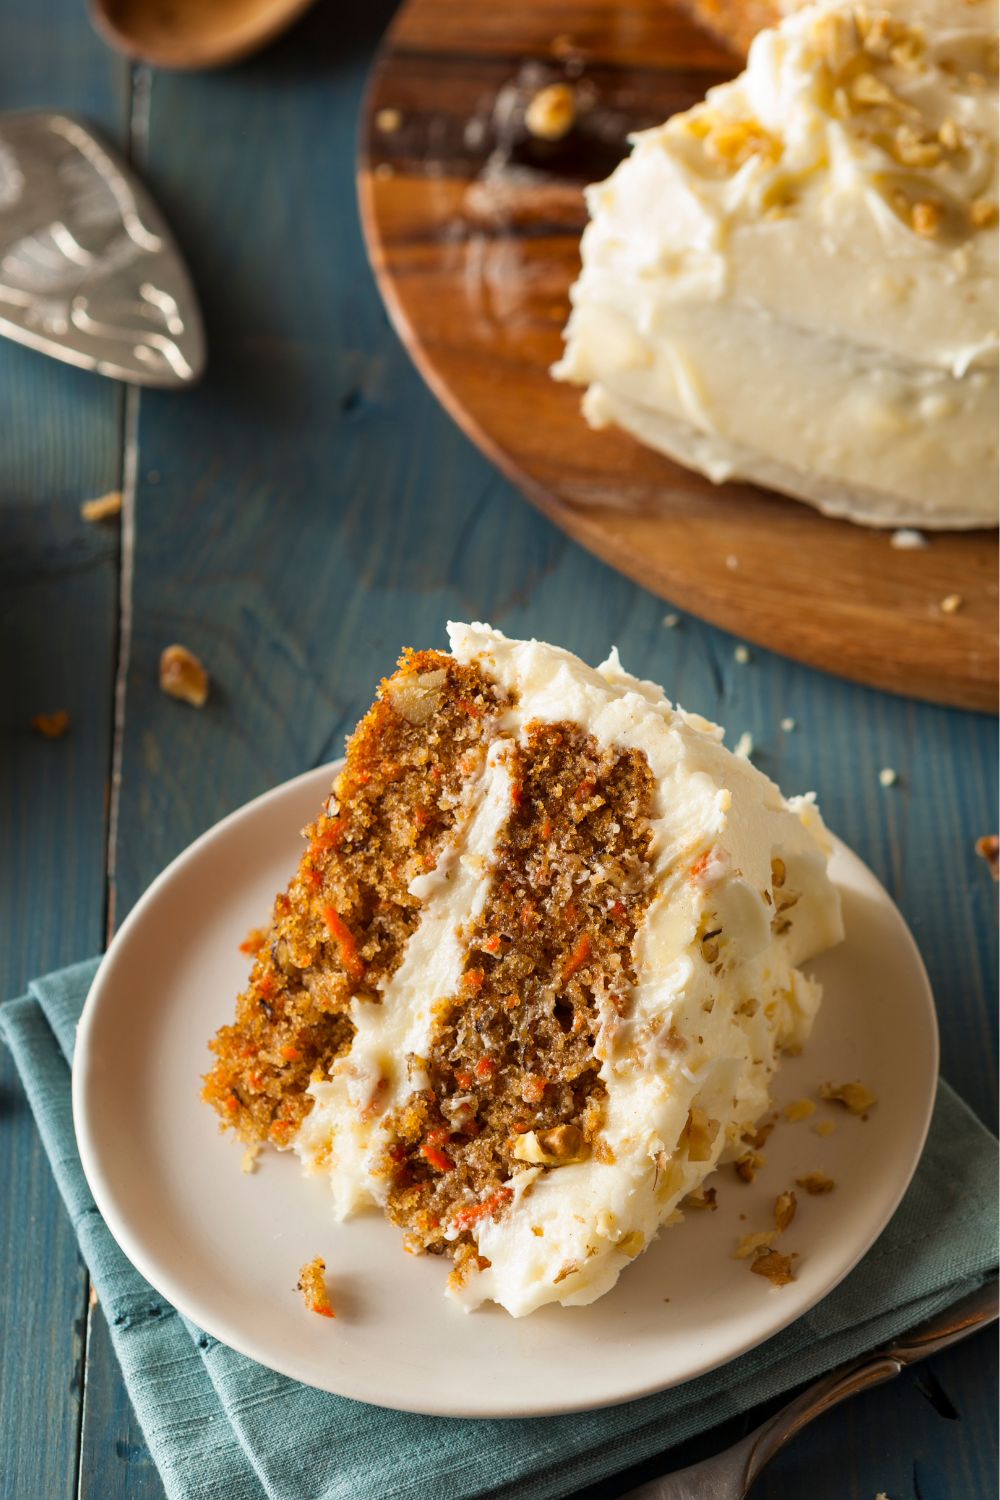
693 1036
795 281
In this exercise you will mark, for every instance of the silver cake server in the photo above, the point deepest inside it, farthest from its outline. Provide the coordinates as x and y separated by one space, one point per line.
89 271
730 1475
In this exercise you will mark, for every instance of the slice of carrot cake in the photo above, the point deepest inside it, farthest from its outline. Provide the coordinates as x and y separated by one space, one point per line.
535 970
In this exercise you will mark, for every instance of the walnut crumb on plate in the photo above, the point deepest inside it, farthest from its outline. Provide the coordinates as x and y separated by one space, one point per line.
777 1268
750 1244
799 1109
856 1097
784 1210
816 1184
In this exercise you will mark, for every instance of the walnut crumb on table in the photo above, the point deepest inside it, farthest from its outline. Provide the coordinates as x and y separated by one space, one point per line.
551 114
182 676
103 508
988 848
312 1285
51 726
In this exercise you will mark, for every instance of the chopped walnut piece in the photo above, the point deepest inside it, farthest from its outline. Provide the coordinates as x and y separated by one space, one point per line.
748 1165
183 676
750 1244
733 142
925 218
103 508
551 114
758 1138
784 1210
570 1268
816 1184
564 1142
701 1133
799 1109
416 696
312 1285
853 1096
702 1198
951 604
983 213
777 1268
51 726
988 848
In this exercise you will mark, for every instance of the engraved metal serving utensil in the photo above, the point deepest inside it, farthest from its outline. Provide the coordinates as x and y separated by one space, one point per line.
730 1475
89 271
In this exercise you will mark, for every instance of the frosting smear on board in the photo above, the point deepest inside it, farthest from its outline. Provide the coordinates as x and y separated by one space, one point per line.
795 282
686 1038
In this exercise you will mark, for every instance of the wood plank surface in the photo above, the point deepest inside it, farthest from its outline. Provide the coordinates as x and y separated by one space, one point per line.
60 443
301 516
474 226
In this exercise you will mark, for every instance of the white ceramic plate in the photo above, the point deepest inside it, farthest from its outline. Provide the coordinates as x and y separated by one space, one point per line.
225 1246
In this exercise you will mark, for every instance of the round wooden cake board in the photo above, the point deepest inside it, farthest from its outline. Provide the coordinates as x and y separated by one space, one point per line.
473 228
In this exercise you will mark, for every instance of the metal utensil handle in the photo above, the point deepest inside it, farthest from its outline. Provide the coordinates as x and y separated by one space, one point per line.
956 1322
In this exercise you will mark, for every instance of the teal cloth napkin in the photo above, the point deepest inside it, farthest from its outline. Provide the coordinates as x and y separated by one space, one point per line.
219 1425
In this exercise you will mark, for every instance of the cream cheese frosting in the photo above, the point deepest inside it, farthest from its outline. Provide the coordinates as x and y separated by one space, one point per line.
741 899
795 282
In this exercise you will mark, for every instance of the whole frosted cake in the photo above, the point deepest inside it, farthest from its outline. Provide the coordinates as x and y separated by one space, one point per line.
535 970
795 282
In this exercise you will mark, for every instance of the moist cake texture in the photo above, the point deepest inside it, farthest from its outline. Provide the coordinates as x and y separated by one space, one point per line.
795 282
535 970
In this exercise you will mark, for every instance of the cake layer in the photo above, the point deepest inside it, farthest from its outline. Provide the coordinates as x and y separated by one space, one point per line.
796 280
602 973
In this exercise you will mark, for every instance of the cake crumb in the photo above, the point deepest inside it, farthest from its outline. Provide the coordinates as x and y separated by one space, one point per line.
103 508
51 726
777 1268
907 539
853 1096
816 1184
388 121
671 621
183 676
741 655
248 1161
784 1210
732 562
744 747
951 604
551 114
799 1109
253 942
888 776
825 1127
988 848
788 725
312 1285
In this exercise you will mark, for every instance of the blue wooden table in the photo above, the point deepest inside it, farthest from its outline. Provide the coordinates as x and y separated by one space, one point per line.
299 517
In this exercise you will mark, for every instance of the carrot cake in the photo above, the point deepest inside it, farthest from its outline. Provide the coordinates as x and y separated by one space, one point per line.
795 282
535 970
